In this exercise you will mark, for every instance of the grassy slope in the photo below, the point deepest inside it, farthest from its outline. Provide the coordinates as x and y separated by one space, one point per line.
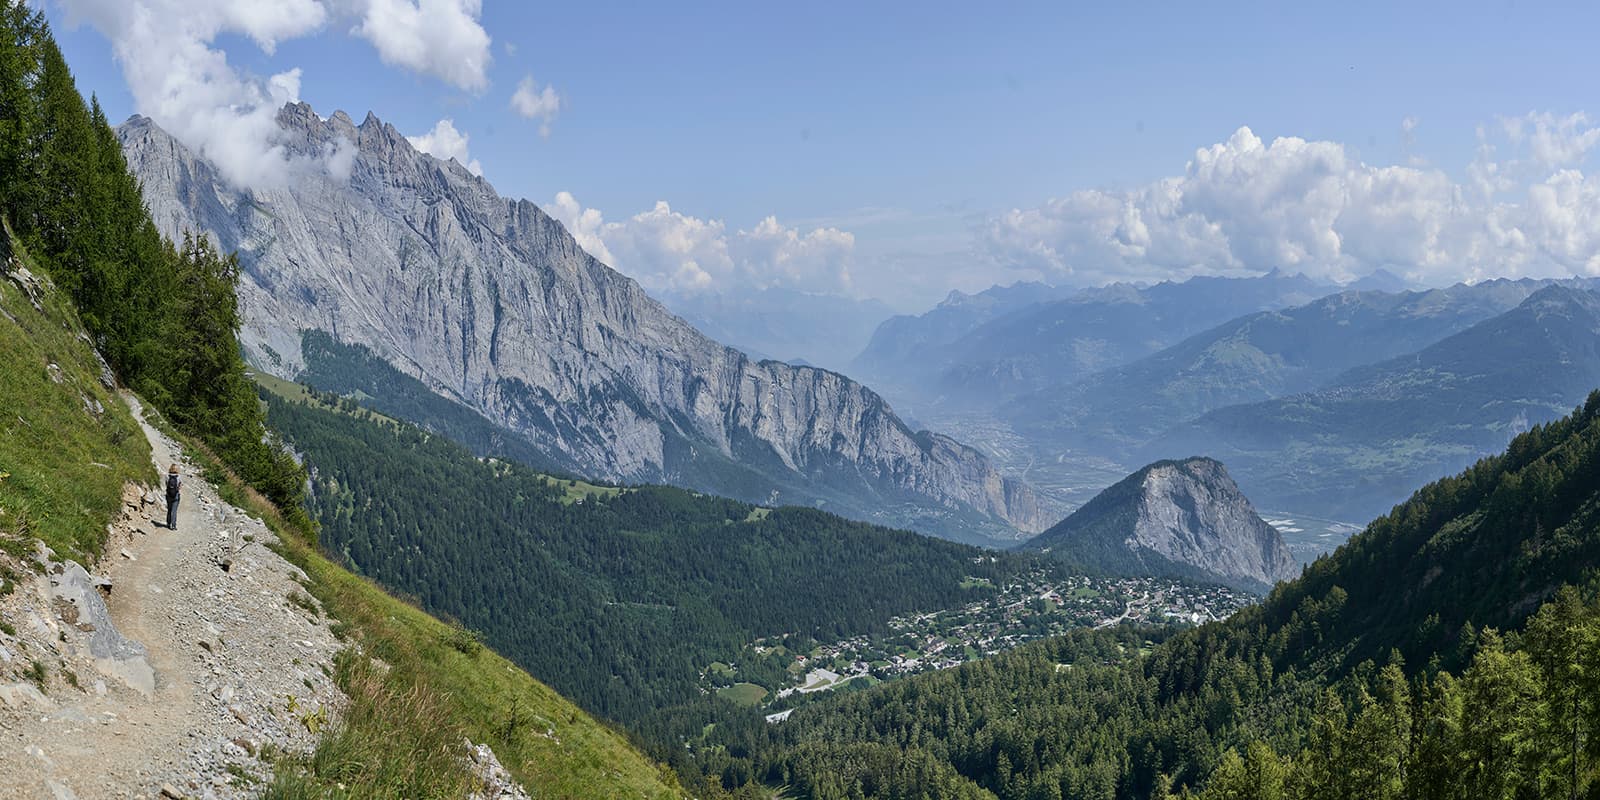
62 469
550 745
62 466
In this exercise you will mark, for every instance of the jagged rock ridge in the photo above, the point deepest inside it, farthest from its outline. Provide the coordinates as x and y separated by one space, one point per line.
1174 518
492 303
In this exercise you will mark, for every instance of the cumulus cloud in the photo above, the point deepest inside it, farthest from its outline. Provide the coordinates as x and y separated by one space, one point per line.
667 249
532 102
444 142
190 89
436 37
1245 206
1552 141
179 78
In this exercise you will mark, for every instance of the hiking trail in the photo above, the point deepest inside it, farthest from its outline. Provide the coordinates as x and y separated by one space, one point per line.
213 652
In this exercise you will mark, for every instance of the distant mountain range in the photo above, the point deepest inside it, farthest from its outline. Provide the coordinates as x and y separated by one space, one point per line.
1362 442
820 330
974 352
1179 519
1253 358
907 350
490 302
1334 407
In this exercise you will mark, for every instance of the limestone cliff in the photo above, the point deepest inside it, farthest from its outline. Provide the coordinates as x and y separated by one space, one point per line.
489 301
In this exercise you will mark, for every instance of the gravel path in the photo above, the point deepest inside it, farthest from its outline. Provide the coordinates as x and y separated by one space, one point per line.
221 653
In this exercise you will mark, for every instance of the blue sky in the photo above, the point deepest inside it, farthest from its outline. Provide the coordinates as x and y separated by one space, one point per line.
916 129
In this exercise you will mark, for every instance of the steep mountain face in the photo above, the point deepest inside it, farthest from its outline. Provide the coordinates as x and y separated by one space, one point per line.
1359 444
1183 519
492 303
1251 359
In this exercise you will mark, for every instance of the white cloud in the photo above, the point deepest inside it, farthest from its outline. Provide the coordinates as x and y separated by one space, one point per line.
585 225
666 249
531 102
340 158
180 79
444 142
437 37
189 88
1245 206
1552 141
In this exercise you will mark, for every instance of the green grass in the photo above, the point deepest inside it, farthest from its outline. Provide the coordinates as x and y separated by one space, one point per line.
62 470
757 514
402 736
62 466
970 582
300 393
744 694
577 490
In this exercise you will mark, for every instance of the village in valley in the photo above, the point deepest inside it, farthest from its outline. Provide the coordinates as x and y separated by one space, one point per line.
1038 605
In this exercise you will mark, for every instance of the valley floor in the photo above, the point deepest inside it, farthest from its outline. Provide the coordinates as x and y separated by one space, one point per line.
225 658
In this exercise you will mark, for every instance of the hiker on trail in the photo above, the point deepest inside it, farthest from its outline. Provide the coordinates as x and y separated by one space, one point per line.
174 487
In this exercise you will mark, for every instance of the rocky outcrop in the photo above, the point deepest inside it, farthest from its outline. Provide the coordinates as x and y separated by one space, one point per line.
1182 519
178 668
492 303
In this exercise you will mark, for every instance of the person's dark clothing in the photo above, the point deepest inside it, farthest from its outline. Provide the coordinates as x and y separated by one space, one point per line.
174 487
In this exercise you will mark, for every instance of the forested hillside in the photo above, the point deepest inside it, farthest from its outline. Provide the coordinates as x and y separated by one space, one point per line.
163 315
1410 663
85 275
619 598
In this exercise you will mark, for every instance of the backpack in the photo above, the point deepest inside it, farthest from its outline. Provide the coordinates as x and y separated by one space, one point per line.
172 486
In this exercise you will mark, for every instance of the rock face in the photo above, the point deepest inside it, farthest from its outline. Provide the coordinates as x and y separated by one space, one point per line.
490 302
175 670
1174 519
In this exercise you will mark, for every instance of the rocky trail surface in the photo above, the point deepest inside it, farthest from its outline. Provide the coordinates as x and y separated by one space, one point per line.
172 667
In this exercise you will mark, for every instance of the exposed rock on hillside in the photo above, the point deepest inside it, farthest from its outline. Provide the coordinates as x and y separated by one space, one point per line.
492 303
1174 518
189 656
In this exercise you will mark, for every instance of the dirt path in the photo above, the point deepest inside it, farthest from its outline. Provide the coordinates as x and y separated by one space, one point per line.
227 640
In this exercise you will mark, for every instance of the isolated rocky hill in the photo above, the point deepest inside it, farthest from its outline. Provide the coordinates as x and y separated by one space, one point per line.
492 303
1183 519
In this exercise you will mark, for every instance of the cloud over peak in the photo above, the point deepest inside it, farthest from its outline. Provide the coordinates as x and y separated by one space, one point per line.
181 80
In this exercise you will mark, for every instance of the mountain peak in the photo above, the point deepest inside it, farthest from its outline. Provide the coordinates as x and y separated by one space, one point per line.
1183 518
492 303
